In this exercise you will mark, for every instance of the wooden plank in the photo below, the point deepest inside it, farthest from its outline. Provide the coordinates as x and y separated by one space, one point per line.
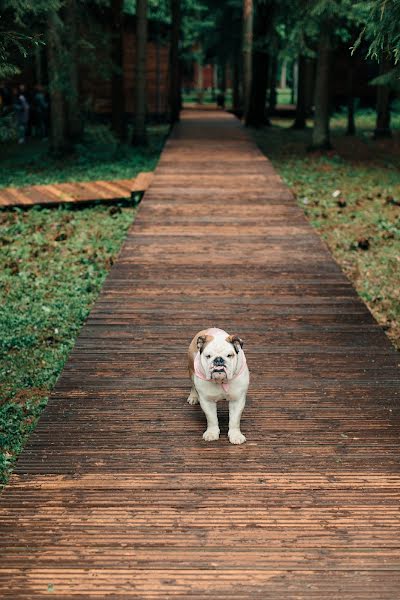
84 191
117 495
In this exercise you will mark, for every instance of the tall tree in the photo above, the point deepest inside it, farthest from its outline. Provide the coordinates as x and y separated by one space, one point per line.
73 108
117 78
58 139
301 104
351 123
139 133
236 84
247 51
175 71
256 109
321 132
382 128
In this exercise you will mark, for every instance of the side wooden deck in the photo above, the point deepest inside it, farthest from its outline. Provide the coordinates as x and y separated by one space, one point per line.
117 496
75 192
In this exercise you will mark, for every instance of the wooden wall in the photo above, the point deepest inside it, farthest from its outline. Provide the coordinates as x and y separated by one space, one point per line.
96 88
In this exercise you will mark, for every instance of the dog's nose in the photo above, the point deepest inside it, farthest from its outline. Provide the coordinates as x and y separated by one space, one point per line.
219 361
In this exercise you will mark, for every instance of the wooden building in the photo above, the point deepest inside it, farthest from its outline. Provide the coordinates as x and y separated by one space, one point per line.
95 67
96 85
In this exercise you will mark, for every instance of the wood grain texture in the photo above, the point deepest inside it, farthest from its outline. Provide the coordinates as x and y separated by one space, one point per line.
76 192
117 496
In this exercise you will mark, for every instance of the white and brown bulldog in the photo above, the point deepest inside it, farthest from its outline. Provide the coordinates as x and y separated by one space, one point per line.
218 369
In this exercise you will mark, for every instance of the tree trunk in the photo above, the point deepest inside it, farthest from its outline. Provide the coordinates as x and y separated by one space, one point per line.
236 97
283 82
309 85
272 84
58 142
301 106
321 133
200 83
158 74
256 108
175 79
221 83
73 109
382 129
247 51
38 65
139 133
117 80
351 125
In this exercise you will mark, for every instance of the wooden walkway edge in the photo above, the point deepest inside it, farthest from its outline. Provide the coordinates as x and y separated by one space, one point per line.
117 496
75 192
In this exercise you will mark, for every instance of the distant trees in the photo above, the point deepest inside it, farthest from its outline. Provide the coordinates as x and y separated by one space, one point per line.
139 131
263 23
117 81
321 134
247 48
245 40
175 70
54 59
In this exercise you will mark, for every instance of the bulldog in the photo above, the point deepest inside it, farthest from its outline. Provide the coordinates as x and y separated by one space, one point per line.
218 369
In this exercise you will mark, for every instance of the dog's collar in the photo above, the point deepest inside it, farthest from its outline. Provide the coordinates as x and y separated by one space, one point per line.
199 371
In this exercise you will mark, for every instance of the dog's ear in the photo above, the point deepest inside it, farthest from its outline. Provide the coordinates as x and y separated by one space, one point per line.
201 342
236 341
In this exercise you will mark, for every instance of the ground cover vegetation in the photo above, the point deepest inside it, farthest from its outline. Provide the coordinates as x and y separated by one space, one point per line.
99 156
351 195
54 261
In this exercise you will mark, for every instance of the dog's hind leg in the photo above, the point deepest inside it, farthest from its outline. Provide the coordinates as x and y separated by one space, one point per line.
193 396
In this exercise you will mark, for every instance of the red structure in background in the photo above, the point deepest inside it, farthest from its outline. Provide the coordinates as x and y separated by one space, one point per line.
207 76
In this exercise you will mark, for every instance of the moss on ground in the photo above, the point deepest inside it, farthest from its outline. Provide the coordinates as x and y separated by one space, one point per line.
352 197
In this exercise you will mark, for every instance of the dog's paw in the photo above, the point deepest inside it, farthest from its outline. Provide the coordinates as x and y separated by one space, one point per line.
211 434
193 398
236 437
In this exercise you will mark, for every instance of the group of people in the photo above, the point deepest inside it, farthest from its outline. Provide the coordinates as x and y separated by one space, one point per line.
30 107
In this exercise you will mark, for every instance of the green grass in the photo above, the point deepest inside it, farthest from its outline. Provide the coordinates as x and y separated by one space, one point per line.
54 263
99 156
361 221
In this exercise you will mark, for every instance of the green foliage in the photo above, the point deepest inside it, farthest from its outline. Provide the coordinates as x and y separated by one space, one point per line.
158 9
54 263
97 157
382 19
17 33
8 128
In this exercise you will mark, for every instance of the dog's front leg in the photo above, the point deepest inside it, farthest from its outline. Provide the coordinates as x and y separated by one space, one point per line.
235 412
210 410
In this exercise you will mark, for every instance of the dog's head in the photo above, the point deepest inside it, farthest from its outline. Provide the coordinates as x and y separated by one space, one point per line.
219 356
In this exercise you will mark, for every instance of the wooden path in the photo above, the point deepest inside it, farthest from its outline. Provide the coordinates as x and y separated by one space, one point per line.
117 496
75 192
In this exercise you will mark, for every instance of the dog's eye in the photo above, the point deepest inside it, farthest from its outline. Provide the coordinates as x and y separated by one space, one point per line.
208 355
230 355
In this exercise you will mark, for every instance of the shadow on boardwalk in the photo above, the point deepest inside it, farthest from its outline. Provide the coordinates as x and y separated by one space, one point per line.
117 495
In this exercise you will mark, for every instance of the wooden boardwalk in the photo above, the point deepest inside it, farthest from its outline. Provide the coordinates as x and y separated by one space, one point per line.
75 192
117 496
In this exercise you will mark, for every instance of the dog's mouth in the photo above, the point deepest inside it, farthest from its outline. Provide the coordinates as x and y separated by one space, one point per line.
218 374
